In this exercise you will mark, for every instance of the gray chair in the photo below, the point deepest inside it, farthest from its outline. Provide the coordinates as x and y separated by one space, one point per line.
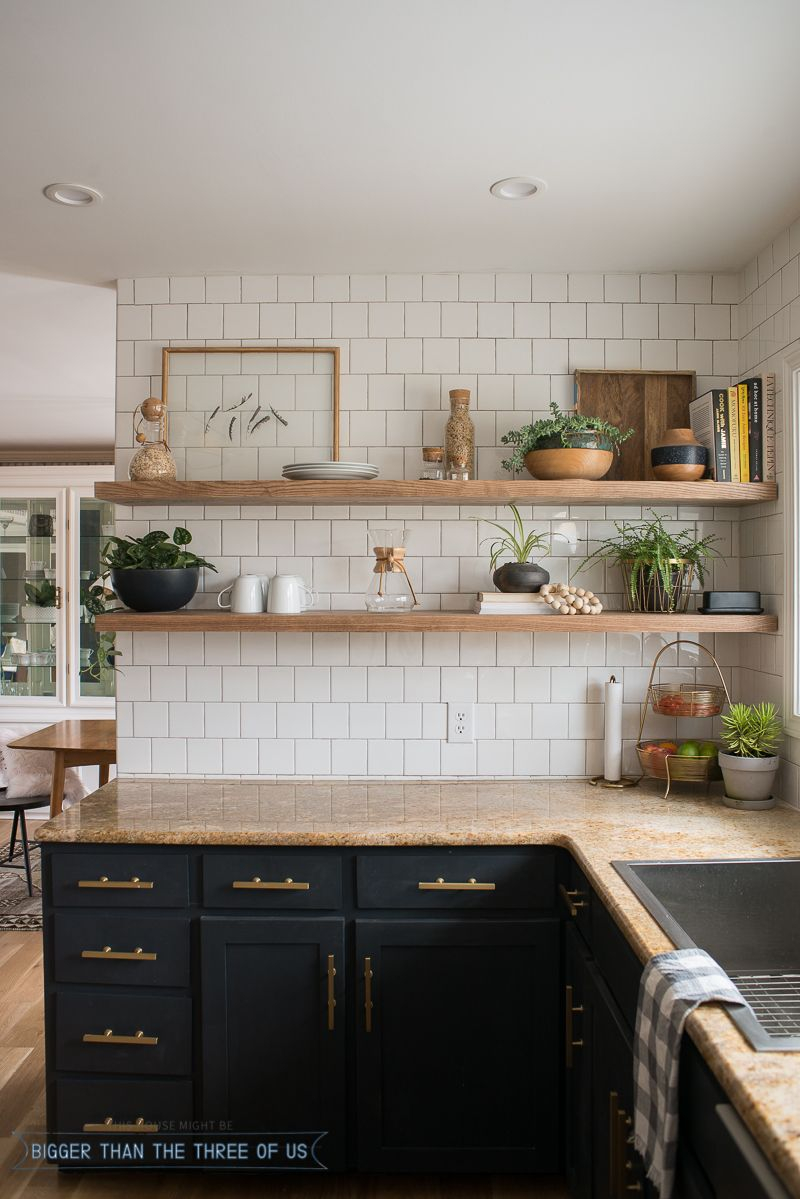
19 829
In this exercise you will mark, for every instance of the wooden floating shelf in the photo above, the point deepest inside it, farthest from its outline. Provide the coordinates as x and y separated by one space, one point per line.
425 491
210 620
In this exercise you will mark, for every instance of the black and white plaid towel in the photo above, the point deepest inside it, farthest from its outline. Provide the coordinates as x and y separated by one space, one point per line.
673 985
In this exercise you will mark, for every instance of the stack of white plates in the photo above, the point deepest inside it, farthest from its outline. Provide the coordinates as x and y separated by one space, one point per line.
330 470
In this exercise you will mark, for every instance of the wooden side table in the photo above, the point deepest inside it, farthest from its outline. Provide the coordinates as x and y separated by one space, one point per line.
74 743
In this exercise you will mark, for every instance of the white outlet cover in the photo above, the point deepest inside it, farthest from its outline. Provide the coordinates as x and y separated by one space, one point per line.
460 723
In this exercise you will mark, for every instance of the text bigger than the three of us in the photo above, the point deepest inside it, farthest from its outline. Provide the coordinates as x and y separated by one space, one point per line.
278 1152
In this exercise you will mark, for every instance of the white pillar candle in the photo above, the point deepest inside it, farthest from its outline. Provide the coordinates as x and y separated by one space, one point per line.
612 759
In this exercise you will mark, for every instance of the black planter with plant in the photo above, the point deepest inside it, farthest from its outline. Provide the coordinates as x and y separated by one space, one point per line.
658 567
521 574
565 445
153 573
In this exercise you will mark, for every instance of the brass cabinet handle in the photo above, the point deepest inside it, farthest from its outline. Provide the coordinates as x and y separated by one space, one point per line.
331 995
256 884
104 883
117 955
110 1125
367 994
572 899
620 1167
108 1037
570 1043
470 885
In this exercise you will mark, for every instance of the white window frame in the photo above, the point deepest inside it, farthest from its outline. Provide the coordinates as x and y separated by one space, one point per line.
791 510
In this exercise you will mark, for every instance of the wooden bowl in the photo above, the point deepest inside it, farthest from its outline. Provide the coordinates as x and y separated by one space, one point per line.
569 464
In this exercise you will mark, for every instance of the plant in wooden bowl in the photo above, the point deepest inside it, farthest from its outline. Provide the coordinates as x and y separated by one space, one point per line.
153 573
520 574
565 445
658 566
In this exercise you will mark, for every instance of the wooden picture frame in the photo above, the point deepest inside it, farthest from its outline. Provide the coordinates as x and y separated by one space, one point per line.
168 351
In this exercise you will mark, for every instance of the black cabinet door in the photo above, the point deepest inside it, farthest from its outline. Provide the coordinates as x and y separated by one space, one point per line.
458 1065
617 1170
577 1026
273 1041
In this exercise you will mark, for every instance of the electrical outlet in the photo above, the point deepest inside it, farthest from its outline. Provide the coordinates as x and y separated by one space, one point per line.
460 723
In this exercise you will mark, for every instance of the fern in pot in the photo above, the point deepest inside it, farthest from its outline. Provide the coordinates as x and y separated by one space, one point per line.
658 566
154 573
751 733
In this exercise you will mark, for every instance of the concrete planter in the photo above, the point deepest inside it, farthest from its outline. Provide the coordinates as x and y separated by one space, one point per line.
748 781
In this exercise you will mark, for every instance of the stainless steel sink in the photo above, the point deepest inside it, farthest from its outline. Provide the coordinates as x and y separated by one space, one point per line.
744 913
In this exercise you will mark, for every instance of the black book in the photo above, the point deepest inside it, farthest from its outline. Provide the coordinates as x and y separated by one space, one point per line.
708 416
755 425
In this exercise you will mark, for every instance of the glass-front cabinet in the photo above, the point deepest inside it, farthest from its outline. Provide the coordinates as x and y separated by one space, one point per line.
51 655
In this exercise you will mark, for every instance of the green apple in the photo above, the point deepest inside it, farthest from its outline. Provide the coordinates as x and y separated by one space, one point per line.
689 749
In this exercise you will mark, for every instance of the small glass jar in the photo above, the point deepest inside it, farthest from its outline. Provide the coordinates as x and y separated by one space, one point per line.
459 468
432 462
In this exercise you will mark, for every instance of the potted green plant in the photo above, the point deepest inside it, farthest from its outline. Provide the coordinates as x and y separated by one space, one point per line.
521 574
565 445
43 603
99 663
752 733
657 566
153 573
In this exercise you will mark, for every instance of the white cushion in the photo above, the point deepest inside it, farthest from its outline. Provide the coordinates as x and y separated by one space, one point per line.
29 772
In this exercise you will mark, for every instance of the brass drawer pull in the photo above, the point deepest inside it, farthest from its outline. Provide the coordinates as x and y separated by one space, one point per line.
118 955
110 1125
570 1044
470 885
108 1037
573 899
255 884
367 994
104 883
331 994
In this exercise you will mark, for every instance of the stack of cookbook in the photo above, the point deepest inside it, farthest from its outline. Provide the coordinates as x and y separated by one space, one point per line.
512 603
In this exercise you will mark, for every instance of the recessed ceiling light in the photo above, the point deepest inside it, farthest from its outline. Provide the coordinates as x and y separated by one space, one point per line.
74 195
518 187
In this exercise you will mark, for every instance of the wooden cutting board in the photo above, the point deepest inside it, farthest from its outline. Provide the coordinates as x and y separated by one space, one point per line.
647 401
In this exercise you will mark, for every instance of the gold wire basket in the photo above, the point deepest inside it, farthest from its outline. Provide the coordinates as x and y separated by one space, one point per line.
645 592
686 699
672 766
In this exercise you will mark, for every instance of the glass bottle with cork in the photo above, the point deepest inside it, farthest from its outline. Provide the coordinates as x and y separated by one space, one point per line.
459 437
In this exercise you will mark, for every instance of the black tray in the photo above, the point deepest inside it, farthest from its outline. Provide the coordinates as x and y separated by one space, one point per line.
730 611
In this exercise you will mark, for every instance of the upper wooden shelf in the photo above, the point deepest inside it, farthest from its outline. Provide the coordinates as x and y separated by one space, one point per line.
211 620
423 491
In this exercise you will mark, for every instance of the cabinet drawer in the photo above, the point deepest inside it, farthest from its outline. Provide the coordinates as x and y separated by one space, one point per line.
163 1019
93 1102
264 879
131 950
456 879
107 879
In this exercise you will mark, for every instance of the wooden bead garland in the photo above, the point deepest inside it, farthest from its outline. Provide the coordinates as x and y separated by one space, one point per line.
570 601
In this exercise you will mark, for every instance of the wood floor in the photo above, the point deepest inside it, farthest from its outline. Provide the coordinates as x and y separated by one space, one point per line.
22 1107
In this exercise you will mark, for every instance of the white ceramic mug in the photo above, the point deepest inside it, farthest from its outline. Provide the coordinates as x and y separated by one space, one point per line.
289 595
246 595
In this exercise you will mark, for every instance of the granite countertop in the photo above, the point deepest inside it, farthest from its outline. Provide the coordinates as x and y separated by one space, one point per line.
595 826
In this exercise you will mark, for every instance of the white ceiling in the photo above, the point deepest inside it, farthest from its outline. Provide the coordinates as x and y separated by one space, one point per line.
362 135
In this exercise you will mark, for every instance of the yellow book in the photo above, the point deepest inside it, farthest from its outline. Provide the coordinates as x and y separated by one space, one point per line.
735 441
744 431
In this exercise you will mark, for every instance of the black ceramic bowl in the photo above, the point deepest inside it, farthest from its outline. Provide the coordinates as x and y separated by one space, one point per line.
156 590
675 455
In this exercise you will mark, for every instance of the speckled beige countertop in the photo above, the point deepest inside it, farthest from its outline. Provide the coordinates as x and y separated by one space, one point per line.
595 826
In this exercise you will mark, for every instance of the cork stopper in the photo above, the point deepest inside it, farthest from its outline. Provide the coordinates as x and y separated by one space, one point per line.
461 394
432 453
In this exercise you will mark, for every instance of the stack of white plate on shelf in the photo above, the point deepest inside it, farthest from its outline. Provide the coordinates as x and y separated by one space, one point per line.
330 470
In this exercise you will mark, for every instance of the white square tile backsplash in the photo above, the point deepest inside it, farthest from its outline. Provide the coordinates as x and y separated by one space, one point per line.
364 704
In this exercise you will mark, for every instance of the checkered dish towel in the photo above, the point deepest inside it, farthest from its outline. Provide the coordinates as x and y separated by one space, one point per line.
673 985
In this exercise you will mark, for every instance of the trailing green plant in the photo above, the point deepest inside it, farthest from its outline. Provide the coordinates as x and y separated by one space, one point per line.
648 552
154 551
515 543
95 598
42 595
560 424
752 730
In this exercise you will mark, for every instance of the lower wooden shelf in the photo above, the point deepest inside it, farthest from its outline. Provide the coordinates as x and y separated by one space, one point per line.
214 621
